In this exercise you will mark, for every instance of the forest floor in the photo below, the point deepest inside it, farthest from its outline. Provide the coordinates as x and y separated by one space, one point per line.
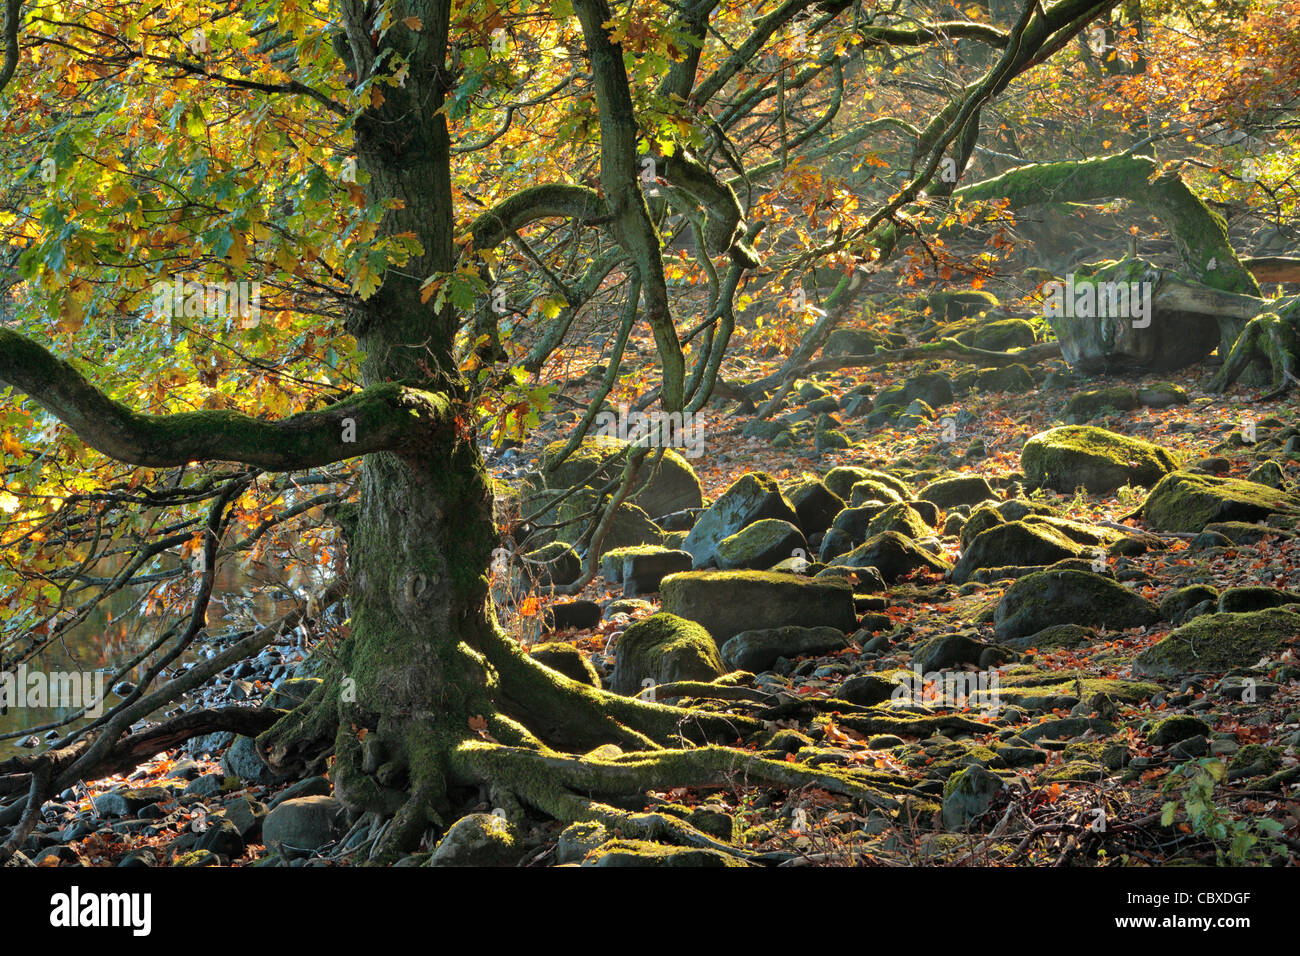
1084 765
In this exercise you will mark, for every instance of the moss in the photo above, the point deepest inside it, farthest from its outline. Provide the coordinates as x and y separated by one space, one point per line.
869 489
1254 760
1086 405
760 545
980 520
1188 501
900 517
1174 728
841 480
1010 378
568 660
1219 642
664 648
1071 456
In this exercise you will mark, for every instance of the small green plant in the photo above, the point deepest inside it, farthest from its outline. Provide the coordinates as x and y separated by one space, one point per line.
1236 841
1130 494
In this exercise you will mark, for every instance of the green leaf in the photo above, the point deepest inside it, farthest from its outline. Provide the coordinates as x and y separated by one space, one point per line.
1167 813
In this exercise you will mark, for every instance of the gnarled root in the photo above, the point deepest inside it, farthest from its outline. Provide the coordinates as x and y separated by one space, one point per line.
1269 338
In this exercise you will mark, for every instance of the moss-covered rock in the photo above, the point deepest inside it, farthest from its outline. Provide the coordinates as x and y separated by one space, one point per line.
1189 501
1217 643
758 650
952 490
1174 728
1000 335
673 487
726 603
579 839
1013 543
1088 405
979 521
1056 636
1015 379
900 517
855 521
1045 598
967 795
814 504
631 526
1255 598
664 648
893 555
1176 603
555 563
479 839
840 481
869 489
1243 532
1072 456
1255 760
750 498
1161 395
568 660
760 545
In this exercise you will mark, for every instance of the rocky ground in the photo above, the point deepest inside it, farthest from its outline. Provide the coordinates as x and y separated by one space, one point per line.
1052 620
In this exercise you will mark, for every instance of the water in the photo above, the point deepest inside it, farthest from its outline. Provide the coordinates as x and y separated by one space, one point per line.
118 630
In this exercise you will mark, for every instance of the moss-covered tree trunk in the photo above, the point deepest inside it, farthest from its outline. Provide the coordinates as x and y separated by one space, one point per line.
408 679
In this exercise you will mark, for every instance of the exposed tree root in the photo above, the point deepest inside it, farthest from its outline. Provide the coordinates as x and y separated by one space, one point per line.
1268 338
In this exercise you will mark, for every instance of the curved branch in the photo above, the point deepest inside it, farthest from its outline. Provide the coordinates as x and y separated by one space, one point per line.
548 201
385 417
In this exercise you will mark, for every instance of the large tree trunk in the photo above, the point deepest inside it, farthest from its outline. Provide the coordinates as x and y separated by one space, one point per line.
407 680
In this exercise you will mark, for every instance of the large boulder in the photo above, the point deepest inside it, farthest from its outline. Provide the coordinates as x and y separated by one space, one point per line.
1014 543
758 650
1071 456
1217 643
663 648
1045 598
1092 342
760 545
726 603
893 555
673 487
1188 501
750 498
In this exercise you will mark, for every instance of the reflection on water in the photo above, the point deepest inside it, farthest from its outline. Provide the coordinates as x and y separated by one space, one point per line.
116 631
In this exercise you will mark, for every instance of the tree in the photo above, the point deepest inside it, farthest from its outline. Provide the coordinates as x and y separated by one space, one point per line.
427 693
